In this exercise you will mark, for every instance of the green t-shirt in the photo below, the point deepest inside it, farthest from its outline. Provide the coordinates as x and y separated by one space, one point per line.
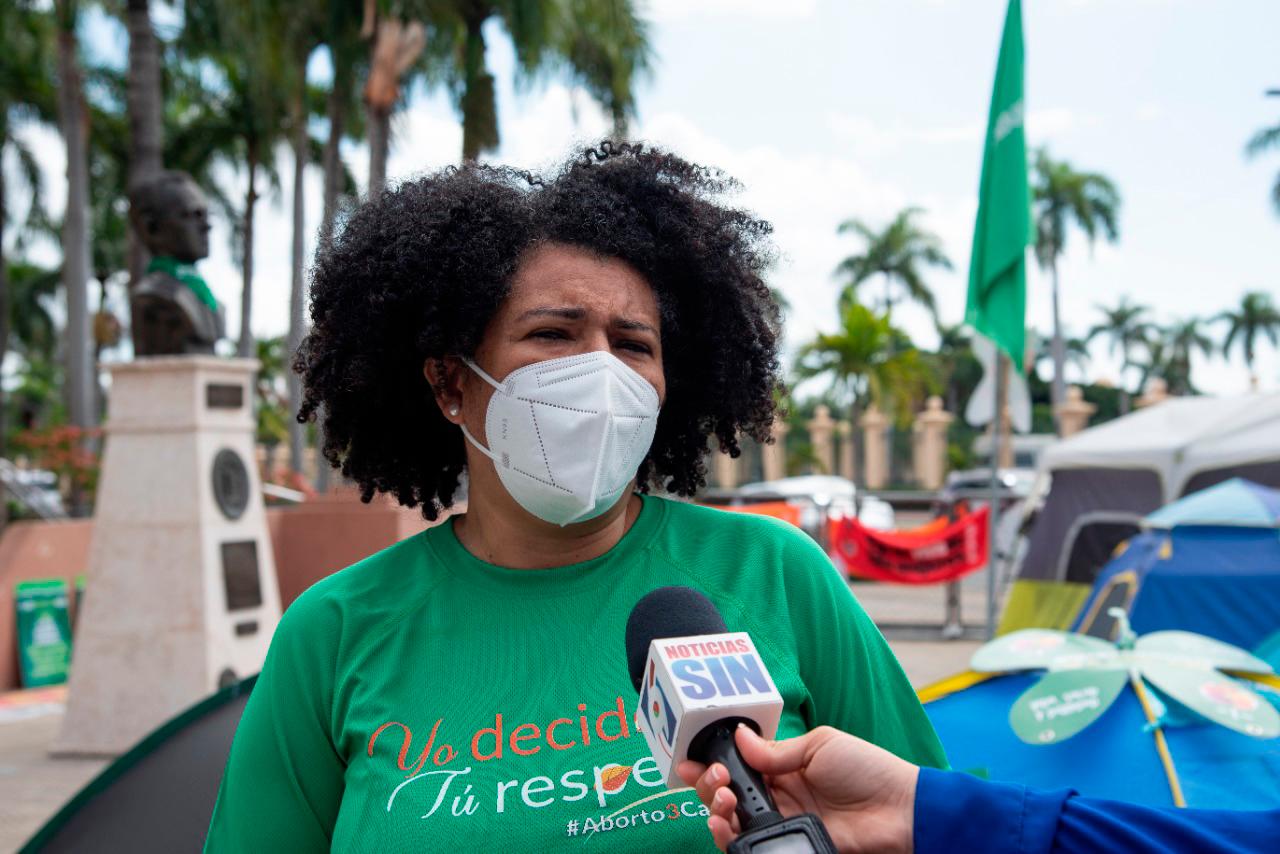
424 700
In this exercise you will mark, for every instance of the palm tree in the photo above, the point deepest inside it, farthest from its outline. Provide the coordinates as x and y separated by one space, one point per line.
898 252
341 110
394 48
75 228
1168 355
145 105
1184 338
602 44
1062 196
1075 350
26 95
33 290
251 104
606 46
864 360
1126 327
1260 142
1256 317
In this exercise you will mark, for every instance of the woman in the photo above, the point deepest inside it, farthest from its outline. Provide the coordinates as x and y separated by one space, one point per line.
569 343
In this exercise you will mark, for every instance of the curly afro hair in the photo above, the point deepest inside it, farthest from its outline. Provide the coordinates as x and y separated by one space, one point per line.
417 273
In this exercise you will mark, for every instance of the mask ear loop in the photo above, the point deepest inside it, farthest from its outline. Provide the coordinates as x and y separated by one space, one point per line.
480 372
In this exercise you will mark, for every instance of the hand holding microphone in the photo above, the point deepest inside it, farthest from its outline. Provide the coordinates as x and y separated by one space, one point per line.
865 795
698 684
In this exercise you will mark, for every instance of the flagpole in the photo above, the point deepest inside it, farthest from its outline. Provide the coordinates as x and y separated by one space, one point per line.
993 519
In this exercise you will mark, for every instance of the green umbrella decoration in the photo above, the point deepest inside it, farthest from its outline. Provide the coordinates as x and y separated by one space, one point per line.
1084 675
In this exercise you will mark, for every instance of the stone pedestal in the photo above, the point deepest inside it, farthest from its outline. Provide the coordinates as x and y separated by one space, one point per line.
874 462
774 454
821 428
181 594
844 430
1074 412
931 426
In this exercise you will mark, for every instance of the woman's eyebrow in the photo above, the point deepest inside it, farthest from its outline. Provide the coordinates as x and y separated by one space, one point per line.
633 325
573 313
566 313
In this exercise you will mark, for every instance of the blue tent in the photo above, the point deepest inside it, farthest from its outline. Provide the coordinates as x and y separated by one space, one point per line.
1208 563
1115 757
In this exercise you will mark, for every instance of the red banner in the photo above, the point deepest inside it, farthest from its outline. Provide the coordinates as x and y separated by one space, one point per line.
931 554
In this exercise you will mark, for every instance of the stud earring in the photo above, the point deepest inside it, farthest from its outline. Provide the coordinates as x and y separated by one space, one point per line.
453 410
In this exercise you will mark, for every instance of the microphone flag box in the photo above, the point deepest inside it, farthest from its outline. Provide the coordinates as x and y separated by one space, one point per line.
691 682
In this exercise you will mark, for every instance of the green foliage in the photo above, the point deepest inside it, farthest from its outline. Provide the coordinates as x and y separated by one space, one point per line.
1257 316
1126 327
32 292
1168 354
270 401
898 253
1267 139
601 45
1061 196
867 361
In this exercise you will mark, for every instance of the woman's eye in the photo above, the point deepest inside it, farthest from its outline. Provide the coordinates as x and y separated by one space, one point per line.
550 334
635 346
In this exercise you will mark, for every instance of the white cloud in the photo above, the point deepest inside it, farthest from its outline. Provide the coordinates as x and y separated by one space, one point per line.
1149 111
1056 121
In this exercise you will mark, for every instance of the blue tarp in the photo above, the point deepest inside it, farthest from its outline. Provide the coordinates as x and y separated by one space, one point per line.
1115 757
1233 502
1209 564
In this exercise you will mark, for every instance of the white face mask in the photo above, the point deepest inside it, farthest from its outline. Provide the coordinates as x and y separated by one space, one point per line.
567 435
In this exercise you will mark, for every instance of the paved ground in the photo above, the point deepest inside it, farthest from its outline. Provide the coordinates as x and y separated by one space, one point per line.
33 786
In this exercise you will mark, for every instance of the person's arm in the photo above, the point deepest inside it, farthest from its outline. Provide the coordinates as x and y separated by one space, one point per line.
854 679
872 801
957 812
284 780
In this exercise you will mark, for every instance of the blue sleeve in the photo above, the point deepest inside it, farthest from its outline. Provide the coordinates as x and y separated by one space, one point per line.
1094 825
959 812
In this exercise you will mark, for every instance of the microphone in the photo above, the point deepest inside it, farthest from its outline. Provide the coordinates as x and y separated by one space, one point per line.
697 682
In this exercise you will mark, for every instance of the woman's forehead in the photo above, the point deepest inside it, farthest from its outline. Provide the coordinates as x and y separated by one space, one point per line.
561 280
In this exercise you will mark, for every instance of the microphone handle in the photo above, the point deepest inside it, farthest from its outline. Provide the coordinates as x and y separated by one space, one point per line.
715 743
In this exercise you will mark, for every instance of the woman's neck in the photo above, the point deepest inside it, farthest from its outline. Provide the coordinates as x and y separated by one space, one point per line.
498 531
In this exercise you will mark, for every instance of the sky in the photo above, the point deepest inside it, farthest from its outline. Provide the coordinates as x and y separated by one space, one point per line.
831 109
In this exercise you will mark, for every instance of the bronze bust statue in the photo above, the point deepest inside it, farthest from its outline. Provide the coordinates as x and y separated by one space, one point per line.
174 312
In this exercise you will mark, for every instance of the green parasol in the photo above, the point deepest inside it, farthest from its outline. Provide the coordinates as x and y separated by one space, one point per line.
1084 675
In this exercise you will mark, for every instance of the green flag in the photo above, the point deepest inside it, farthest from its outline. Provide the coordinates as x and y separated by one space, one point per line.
997 302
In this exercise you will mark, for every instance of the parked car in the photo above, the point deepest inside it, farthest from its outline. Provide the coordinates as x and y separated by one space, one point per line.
816 498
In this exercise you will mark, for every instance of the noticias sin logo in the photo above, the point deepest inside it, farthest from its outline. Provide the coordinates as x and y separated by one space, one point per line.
717 668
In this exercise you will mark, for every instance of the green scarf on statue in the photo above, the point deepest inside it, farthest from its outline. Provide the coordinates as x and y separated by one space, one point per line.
187 274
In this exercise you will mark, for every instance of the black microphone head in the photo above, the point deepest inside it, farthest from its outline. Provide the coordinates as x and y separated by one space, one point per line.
668 612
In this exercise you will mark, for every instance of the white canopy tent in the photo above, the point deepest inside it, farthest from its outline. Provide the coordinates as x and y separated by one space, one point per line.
1093 489
1178 439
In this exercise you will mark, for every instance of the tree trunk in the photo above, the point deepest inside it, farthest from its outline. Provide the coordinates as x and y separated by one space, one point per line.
99 390
4 301
145 102
1058 389
378 128
244 348
332 163
479 108
338 99
75 230
299 140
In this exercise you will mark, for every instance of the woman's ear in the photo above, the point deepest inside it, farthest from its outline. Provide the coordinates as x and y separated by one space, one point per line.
445 377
